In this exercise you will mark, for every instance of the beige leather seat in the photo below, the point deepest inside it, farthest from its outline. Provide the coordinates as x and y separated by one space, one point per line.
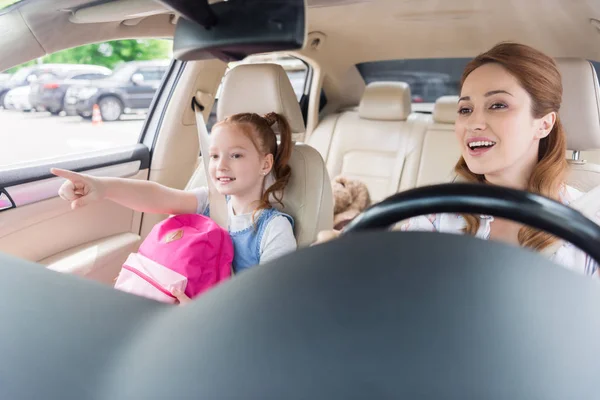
440 150
263 88
380 143
580 115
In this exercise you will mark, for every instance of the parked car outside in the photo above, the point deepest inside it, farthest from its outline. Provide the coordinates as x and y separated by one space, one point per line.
131 87
18 99
30 74
48 92
22 77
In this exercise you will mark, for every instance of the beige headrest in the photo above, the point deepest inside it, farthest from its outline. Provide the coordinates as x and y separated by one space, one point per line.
386 101
580 109
261 89
444 110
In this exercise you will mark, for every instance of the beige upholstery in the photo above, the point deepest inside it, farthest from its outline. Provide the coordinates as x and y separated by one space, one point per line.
99 260
580 115
440 148
580 109
378 144
262 88
584 176
445 110
386 101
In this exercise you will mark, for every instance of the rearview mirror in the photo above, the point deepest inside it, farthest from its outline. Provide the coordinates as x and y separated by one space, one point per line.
231 30
137 79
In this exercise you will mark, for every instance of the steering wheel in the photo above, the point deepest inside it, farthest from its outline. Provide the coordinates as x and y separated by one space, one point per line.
527 208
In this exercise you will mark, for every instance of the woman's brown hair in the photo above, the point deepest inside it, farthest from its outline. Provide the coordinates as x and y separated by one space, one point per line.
538 75
260 130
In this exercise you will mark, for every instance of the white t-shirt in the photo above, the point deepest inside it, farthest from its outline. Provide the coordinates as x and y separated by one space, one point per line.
278 238
567 255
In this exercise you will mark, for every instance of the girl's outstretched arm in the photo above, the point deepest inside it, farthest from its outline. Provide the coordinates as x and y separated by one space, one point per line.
143 196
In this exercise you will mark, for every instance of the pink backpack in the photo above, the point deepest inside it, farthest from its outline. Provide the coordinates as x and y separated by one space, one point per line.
187 252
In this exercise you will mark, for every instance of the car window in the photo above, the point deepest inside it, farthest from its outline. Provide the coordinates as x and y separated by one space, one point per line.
295 69
49 119
428 79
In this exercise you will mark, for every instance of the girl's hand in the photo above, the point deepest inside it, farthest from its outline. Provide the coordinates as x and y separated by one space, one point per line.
181 297
79 189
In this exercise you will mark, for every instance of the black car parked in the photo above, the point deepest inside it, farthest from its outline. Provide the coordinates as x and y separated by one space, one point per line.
131 87
48 92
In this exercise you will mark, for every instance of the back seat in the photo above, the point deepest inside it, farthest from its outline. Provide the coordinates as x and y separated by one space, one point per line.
440 151
378 143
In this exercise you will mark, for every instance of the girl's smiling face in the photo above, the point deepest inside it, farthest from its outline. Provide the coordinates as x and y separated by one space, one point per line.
236 166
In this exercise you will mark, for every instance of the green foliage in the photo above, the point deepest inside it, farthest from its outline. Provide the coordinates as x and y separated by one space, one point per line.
6 3
108 54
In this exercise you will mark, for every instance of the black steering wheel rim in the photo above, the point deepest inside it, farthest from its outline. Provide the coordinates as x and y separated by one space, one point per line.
520 206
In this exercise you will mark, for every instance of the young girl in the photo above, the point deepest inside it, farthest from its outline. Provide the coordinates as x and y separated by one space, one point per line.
246 164
510 134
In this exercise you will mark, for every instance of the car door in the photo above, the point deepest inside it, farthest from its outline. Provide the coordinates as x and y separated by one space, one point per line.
35 224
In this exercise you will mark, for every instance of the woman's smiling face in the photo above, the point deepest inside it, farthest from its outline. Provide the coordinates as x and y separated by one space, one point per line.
498 135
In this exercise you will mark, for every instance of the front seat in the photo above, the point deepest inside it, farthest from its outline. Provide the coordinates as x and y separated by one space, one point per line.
580 115
264 88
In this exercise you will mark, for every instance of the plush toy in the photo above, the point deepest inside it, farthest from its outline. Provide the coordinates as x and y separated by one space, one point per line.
351 197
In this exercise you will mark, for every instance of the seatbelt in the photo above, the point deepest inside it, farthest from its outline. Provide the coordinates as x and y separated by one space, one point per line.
216 201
